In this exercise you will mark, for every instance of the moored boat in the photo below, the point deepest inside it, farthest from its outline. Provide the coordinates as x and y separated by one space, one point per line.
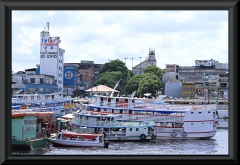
73 139
114 128
173 121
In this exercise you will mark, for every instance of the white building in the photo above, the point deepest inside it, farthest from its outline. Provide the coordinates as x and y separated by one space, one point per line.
51 57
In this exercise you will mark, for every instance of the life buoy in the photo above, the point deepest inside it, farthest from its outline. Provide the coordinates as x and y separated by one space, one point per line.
174 134
143 136
105 98
105 109
184 134
194 108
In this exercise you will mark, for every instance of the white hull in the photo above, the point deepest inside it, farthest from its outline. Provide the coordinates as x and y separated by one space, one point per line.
167 135
71 143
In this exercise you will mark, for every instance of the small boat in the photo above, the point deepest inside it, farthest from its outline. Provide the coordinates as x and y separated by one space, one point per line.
73 139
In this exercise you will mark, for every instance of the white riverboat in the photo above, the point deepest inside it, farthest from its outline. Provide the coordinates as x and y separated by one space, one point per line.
113 126
173 121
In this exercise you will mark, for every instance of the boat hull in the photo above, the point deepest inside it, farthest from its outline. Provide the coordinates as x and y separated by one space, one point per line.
195 135
64 143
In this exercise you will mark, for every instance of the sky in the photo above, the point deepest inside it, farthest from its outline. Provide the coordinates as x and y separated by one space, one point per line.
177 36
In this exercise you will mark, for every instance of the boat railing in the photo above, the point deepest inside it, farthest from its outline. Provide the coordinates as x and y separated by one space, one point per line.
113 123
151 106
153 117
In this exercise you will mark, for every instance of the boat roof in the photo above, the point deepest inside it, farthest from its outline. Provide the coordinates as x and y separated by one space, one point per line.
95 114
73 134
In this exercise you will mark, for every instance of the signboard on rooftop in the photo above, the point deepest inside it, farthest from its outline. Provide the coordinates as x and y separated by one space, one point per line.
87 62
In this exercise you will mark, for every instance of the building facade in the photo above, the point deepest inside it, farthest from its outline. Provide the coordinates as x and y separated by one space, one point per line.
173 88
210 68
188 90
51 57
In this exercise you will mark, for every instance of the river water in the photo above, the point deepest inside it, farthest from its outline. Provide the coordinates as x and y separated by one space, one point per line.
218 145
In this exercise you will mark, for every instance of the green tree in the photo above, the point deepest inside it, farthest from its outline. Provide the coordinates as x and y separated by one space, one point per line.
133 83
113 71
148 84
155 70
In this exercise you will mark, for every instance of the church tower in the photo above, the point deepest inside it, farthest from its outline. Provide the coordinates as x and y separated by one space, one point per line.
151 57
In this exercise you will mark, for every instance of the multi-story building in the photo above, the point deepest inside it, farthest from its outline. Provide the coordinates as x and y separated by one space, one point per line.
18 82
211 68
88 73
51 57
188 90
39 83
71 81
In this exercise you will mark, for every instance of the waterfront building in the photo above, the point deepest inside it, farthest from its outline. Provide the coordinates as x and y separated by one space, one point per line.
51 57
216 73
18 82
71 80
173 88
87 74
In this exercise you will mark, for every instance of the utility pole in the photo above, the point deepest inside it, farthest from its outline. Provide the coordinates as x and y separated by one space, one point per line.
125 60
140 64
205 79
132 65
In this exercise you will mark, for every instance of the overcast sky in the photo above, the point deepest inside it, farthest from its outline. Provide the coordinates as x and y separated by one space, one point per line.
178 37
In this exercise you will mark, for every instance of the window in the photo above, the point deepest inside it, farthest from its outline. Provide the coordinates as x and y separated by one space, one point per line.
130 129
137 129
32 80
40 89
41 80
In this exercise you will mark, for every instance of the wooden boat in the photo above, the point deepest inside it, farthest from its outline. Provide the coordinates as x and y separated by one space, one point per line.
73 139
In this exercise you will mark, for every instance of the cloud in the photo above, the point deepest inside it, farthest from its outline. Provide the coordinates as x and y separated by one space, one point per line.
178 37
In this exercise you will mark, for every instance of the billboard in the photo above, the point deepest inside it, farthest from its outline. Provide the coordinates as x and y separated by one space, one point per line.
170 68
48 46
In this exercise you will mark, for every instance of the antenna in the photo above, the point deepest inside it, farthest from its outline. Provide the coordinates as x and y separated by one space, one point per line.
48 26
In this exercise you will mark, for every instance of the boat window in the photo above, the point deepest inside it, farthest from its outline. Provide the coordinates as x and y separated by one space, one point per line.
191 112
202 123
199 112
191 123
137 129
130 129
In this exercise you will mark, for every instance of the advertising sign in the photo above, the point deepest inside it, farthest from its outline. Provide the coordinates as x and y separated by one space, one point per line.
48 48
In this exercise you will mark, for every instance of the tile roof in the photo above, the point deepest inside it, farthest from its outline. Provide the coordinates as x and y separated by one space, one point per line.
101 88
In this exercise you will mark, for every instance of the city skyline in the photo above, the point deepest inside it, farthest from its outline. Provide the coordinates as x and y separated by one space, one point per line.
178 37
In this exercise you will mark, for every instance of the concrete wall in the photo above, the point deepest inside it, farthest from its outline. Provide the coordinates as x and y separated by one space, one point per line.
173 89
